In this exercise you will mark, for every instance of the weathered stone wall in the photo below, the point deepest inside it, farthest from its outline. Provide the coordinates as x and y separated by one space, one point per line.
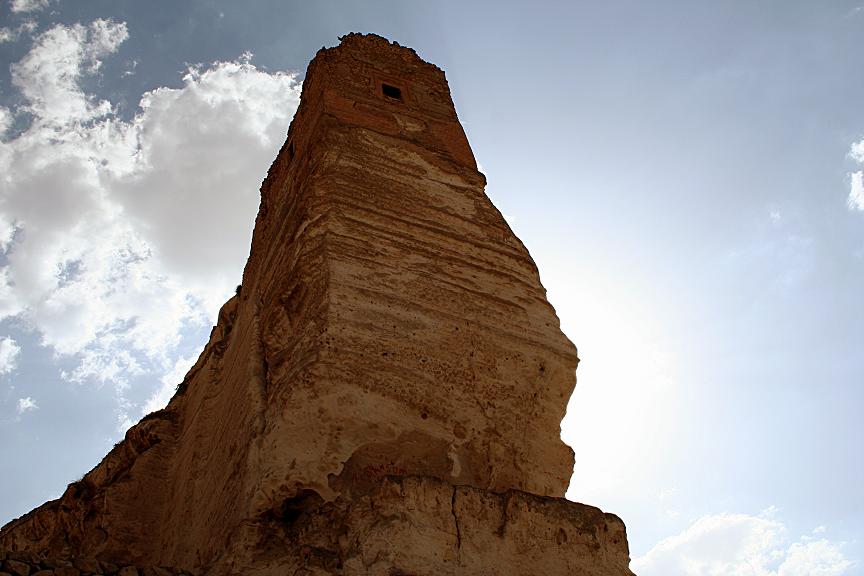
423 315
389 325
425 526
30 564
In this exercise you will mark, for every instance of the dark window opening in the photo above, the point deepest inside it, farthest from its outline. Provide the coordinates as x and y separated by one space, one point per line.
391 91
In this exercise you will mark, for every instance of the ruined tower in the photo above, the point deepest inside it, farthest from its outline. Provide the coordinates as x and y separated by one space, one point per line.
383 395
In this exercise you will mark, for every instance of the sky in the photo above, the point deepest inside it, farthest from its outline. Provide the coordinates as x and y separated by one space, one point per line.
687 174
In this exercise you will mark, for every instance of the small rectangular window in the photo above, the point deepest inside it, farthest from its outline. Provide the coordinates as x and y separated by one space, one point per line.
391 91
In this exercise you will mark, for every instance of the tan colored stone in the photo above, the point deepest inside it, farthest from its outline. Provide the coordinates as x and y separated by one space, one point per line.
155 571
427 526
384 390
26 556
88 565
16 567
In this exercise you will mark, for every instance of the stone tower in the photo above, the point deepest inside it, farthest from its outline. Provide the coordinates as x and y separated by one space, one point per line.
384 394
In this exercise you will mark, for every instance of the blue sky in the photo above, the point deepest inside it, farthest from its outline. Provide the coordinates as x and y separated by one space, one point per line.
688 175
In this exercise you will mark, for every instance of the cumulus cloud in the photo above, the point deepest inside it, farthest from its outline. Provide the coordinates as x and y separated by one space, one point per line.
5 124
856 151
25 405
856 179
814 558
226 125
856 191
117 234
741 545
9 351
28 5
8 34
48 76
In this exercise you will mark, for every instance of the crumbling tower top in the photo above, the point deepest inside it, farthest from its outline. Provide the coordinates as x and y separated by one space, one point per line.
373 83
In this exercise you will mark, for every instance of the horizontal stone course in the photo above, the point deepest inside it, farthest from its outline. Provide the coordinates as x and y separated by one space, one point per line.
23 563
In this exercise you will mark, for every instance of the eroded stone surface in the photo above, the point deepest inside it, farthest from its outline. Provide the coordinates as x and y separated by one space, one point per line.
415 525
389 325
24 563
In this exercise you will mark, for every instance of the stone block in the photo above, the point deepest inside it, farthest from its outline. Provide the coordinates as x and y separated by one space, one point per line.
16 567
88 565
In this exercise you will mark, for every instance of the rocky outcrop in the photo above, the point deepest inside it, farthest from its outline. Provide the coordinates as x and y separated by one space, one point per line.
413 525
384 393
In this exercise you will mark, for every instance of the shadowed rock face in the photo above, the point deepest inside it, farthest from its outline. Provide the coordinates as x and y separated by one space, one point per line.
384 394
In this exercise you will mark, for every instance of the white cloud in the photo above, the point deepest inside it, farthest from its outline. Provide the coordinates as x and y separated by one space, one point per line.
48 76
856 191
741 545
856 179
207 145
8 299
815 558
9 350
112 255
856 151
5 122
170 380
12 34
28 5
25 405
